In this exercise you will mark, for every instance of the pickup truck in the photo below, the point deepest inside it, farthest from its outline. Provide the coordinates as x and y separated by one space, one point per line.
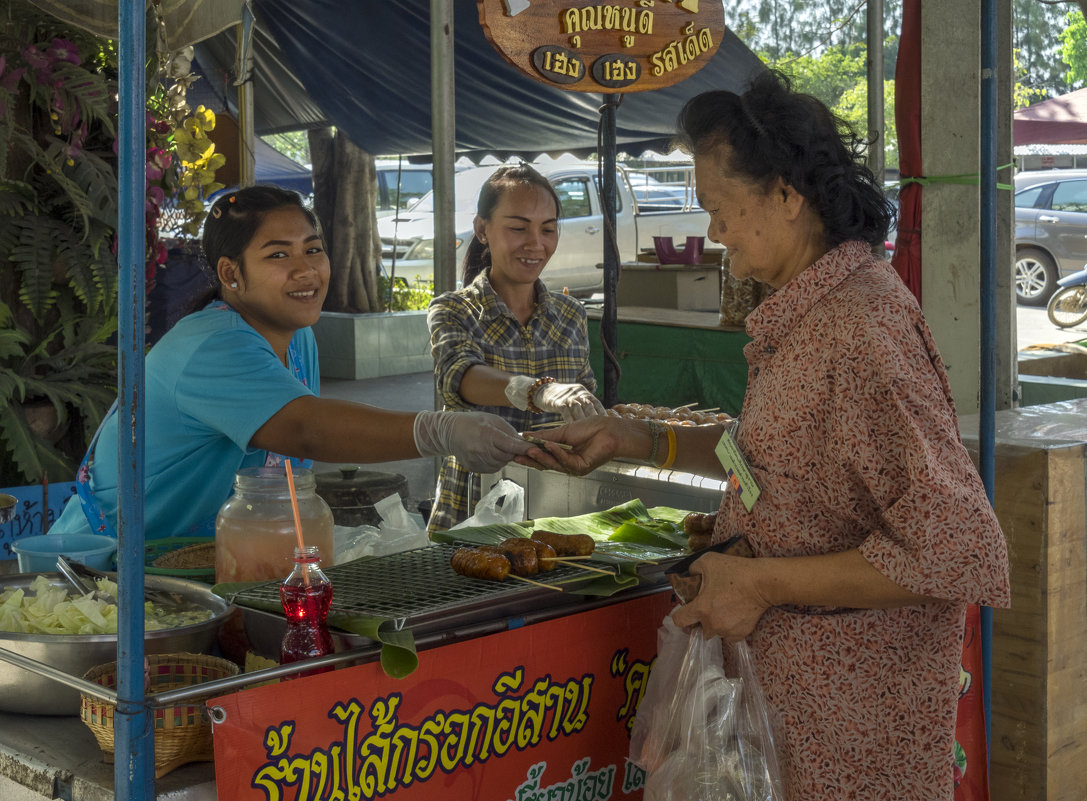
645 208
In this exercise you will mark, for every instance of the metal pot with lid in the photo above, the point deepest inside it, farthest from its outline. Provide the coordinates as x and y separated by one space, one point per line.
352 492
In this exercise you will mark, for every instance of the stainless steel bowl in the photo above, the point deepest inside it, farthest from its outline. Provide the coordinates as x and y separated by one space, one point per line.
26 692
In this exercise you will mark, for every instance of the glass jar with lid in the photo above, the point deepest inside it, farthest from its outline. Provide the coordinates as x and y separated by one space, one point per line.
254 530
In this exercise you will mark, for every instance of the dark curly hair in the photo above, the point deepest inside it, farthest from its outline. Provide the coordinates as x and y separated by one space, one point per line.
478 256
775 132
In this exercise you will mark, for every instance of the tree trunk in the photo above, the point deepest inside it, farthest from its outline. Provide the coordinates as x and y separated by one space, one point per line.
345 201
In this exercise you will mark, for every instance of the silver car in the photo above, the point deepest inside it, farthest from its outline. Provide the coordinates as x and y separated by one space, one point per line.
1050 231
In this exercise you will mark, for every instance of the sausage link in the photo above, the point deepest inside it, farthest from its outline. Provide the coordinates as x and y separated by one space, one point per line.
566 544
545 554
698 523
521 555
480 564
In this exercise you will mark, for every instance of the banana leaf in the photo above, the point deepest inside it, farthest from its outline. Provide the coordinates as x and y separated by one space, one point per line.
657 531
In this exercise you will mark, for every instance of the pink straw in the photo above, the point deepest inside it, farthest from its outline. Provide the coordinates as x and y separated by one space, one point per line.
297 517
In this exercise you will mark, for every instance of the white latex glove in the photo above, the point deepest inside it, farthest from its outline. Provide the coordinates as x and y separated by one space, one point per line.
482 443
572 401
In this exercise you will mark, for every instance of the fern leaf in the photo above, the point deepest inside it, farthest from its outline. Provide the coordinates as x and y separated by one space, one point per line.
88 90
99 183
16 197
21 443
33 258
12 341
12 387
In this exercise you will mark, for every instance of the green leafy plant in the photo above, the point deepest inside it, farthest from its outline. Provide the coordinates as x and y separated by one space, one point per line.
58 220
58 211
406 295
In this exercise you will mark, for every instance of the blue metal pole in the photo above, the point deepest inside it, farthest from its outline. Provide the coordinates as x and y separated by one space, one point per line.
134 748
987 408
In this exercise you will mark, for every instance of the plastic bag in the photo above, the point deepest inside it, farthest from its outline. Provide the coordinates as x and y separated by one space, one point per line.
503 503
397 531
702 734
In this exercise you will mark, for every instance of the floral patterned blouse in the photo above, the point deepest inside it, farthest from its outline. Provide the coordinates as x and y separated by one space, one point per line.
849 427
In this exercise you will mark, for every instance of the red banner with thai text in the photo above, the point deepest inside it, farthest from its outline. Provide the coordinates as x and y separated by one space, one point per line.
535 713
539 712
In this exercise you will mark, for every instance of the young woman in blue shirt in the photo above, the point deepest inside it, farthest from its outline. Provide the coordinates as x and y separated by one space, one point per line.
236 384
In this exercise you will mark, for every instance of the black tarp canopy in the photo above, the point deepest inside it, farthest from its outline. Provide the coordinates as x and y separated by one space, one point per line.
365 68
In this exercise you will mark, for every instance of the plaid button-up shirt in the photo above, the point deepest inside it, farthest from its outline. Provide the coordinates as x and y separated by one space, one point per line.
474 326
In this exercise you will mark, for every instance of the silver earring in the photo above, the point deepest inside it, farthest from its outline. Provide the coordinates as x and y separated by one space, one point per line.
234 285
483 240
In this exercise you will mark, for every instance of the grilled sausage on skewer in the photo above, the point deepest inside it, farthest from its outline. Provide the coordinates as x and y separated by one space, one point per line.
521 555
566 544
480 564
545 554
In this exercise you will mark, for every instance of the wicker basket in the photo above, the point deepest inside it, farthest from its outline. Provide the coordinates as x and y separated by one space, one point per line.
182 557
183 732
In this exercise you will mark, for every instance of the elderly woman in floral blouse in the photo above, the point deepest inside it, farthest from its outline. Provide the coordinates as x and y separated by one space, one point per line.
871 529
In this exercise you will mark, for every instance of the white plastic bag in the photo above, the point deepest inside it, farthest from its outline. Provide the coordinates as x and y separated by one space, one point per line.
503 503
397 531
700 734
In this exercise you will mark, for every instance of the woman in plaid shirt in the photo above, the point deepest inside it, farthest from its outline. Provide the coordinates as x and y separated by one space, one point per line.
504 343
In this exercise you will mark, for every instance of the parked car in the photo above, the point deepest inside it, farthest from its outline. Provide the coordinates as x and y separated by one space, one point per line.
407 238
1050 231
413 181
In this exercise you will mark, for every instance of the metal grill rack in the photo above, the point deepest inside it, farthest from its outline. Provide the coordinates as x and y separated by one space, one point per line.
419 590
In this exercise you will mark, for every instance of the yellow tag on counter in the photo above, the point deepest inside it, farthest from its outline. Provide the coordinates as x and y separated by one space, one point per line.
739 474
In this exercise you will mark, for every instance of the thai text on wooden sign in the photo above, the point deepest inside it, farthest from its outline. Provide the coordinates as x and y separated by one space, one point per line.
626 46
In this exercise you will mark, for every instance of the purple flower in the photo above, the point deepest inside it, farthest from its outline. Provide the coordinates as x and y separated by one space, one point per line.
155 197
35 59
63 50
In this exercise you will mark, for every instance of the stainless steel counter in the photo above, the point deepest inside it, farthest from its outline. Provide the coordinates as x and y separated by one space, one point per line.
551 494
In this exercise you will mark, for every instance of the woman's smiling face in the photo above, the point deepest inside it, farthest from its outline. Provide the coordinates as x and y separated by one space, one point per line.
756 224
522 234
282 276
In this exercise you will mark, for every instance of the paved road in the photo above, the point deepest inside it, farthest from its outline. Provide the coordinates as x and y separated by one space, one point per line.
1034 328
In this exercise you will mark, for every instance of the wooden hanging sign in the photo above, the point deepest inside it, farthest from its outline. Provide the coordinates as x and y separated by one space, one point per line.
610 47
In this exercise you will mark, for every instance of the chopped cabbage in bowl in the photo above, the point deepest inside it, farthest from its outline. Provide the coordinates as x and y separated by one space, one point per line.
48 609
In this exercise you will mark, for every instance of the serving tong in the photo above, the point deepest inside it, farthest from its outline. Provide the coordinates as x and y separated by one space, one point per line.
82 578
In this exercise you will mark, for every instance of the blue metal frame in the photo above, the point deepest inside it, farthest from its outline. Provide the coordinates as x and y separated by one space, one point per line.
134 748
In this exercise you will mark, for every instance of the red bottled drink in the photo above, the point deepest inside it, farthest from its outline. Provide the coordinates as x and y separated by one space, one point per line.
306 595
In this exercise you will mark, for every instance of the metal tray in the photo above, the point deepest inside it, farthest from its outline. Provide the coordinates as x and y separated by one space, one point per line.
417 589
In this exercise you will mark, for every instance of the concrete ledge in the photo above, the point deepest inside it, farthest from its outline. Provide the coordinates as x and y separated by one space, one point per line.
355 346
1035 390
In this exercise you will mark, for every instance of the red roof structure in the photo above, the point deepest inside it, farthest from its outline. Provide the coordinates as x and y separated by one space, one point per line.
1059 120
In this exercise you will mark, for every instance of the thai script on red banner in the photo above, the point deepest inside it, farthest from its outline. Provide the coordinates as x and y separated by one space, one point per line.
538 713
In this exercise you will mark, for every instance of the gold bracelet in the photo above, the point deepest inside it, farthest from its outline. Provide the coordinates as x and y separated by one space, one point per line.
539 382
671 432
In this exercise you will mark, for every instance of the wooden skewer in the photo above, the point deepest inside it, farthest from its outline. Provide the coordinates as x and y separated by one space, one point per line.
565 558
537 583
595 570
687 405
540 443
711 409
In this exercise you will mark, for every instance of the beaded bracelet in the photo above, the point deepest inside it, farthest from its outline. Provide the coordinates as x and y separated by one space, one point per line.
656 429
671 432
539 382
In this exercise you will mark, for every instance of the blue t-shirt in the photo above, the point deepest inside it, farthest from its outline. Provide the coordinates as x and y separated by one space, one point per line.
211 382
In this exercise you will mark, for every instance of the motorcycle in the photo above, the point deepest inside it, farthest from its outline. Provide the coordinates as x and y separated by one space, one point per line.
1068 306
